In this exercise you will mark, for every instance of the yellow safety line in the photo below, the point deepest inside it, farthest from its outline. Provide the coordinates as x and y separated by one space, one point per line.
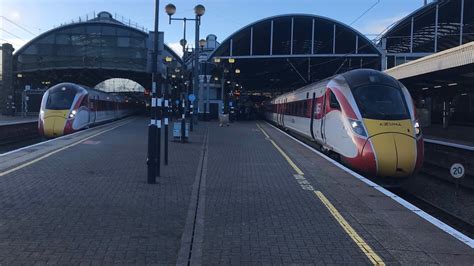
373 257
287 158
58 150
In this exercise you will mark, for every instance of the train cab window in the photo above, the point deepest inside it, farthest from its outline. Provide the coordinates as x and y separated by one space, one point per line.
60 98
381 102
333 103
85 101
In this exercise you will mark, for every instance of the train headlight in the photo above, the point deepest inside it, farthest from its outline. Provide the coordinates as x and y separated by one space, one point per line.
72 114
417 128
357 127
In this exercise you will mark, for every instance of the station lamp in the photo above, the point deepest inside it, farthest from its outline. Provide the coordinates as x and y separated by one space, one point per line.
231 60
202 43
183 42
216 78
237 71
168 59
199 10
217 60
170 9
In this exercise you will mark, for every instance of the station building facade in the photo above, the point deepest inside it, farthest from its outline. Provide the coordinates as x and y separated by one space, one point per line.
86 52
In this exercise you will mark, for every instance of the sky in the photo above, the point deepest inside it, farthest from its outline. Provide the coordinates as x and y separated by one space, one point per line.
22 20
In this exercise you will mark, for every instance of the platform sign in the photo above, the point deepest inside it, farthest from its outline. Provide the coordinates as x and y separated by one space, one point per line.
457 170
192 97
27 87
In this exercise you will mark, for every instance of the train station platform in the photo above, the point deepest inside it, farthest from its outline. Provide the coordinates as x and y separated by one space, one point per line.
244 194
11 120
461 135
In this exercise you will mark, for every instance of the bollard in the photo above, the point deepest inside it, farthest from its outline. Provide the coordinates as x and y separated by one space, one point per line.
151 160
166 131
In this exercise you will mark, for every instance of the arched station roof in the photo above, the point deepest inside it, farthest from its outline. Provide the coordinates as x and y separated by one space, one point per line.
89 52
285 52
435 27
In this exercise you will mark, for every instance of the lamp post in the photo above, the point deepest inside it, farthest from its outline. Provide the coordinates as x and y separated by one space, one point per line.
154 128
199 11
168 60
205 86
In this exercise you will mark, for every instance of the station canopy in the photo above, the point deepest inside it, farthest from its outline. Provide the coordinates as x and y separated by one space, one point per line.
88 52
435 27
285 52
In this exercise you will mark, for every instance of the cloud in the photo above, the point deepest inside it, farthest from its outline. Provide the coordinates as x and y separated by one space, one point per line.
377 26
176 47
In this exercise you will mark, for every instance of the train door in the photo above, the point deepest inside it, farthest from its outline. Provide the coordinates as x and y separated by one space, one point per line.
277 112
284 111
332 125
312 115
322 114
92 109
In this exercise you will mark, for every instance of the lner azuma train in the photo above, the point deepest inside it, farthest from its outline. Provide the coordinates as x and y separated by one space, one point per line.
69 107
364 116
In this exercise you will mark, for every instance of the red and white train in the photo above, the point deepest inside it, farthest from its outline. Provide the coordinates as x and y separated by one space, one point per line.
68 107
365 116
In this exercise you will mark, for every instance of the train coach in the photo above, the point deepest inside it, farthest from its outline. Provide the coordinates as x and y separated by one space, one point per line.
69 107
364 117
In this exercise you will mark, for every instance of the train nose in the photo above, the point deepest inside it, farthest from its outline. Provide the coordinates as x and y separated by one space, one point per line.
53 126
395 154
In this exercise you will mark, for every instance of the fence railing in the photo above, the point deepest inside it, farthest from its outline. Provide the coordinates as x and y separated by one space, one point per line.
115 16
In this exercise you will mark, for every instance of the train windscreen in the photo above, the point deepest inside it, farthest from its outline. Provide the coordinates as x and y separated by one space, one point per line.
60 98
381 102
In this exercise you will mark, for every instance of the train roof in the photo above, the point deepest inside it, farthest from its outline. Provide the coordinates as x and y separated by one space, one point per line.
354 78
75 85
360 77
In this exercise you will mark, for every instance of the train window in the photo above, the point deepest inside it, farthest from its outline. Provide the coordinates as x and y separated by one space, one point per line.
333 103
85 101
305 108
381 102
60 99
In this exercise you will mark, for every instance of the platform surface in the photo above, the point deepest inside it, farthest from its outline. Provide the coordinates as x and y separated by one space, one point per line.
8 120
243 194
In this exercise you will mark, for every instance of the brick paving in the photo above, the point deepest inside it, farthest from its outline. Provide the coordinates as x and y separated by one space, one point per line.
90 204
257 212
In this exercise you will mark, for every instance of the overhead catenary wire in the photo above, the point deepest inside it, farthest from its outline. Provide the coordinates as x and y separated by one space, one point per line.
18 25
365 12
16 36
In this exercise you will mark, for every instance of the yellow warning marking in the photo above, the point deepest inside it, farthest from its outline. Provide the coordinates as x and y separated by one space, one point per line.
373 257
287 158
58 150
